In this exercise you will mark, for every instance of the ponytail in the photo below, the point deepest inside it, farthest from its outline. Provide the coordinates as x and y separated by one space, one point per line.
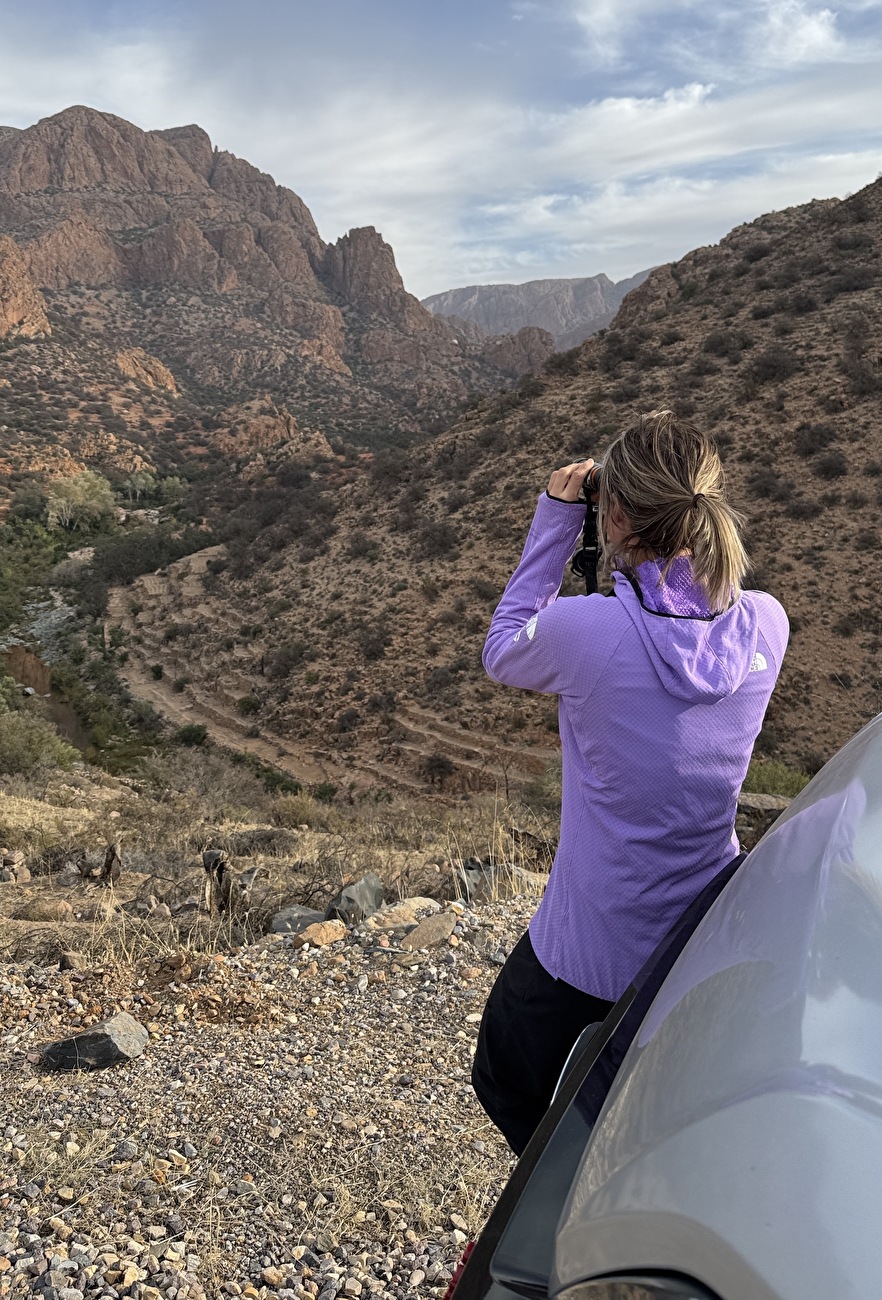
667 478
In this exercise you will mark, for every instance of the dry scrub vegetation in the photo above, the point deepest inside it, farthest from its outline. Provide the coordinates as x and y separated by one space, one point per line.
301 1123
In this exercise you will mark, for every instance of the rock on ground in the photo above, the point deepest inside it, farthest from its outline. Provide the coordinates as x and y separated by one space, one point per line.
121 1038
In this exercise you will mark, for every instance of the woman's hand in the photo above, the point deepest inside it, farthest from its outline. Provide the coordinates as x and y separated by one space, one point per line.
566 484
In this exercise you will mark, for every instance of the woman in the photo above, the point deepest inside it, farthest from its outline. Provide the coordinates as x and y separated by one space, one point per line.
662 692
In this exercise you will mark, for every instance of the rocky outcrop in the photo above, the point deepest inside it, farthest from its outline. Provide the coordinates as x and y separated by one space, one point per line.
22 310
195 256
75 252
361 268
147 370
570 310
519 354
261 426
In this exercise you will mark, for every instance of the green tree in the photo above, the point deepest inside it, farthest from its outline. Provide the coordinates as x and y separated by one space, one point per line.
140 484
81 500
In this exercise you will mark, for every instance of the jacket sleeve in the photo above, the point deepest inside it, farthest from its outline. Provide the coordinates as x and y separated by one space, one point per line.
529 643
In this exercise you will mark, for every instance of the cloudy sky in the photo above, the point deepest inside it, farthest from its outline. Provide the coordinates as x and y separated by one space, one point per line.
488 140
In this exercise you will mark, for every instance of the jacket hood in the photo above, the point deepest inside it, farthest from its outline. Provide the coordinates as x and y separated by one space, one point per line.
698 659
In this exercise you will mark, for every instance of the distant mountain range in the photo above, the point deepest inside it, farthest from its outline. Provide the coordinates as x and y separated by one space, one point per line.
570 310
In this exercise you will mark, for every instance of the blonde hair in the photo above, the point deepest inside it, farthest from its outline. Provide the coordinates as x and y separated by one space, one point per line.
666 477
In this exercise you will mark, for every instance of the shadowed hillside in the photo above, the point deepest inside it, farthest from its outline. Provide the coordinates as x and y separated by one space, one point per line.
367 657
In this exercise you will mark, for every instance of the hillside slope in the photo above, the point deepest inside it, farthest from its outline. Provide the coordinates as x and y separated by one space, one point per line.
369 654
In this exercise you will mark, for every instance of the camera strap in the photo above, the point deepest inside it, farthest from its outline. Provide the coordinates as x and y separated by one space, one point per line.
585 560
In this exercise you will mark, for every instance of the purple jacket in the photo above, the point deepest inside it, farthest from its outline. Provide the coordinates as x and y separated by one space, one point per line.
659 706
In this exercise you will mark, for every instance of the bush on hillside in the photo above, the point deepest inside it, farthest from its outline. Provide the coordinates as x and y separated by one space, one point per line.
773 363
30 746
194 733
812 438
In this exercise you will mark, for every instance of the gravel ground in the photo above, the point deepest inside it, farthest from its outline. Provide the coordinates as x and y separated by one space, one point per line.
300 1125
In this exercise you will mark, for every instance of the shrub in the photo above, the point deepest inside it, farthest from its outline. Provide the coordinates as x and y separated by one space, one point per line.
801 508
194 733
485 590
347 721
850 240
362 547
284 660
437 540
436 768
832 464
372 639
767 776
765 481
757 251
773 363
564 363
248 704
727 343
29 745
156 672
812 438
852 280
858 620
301 809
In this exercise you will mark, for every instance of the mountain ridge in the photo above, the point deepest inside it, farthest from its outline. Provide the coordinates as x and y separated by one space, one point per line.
180 248
571 309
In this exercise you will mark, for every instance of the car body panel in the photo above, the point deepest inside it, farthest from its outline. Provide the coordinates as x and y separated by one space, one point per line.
741 1142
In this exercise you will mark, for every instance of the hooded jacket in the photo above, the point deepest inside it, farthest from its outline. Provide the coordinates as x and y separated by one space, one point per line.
660 702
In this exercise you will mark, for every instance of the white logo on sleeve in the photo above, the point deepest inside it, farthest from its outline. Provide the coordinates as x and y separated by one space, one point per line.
758 663
529 628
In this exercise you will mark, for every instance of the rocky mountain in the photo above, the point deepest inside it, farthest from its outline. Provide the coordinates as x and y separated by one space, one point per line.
570 310
360 658
114 239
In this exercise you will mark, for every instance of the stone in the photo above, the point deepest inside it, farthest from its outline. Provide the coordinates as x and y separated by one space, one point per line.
73 961
293 919
405 913
430 932
272 1276
121 1038
320 934
13 868
357 901
44 909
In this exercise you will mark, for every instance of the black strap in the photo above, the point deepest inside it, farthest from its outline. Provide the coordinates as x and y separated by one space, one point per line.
585 560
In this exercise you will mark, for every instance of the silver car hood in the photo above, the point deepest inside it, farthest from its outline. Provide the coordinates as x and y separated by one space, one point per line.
742 1141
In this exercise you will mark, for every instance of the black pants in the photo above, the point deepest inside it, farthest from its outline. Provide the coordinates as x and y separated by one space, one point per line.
530 1023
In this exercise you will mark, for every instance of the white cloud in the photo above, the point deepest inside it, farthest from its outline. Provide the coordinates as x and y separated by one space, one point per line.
790 33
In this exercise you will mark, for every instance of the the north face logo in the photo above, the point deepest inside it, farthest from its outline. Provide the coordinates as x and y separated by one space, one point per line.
758 663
